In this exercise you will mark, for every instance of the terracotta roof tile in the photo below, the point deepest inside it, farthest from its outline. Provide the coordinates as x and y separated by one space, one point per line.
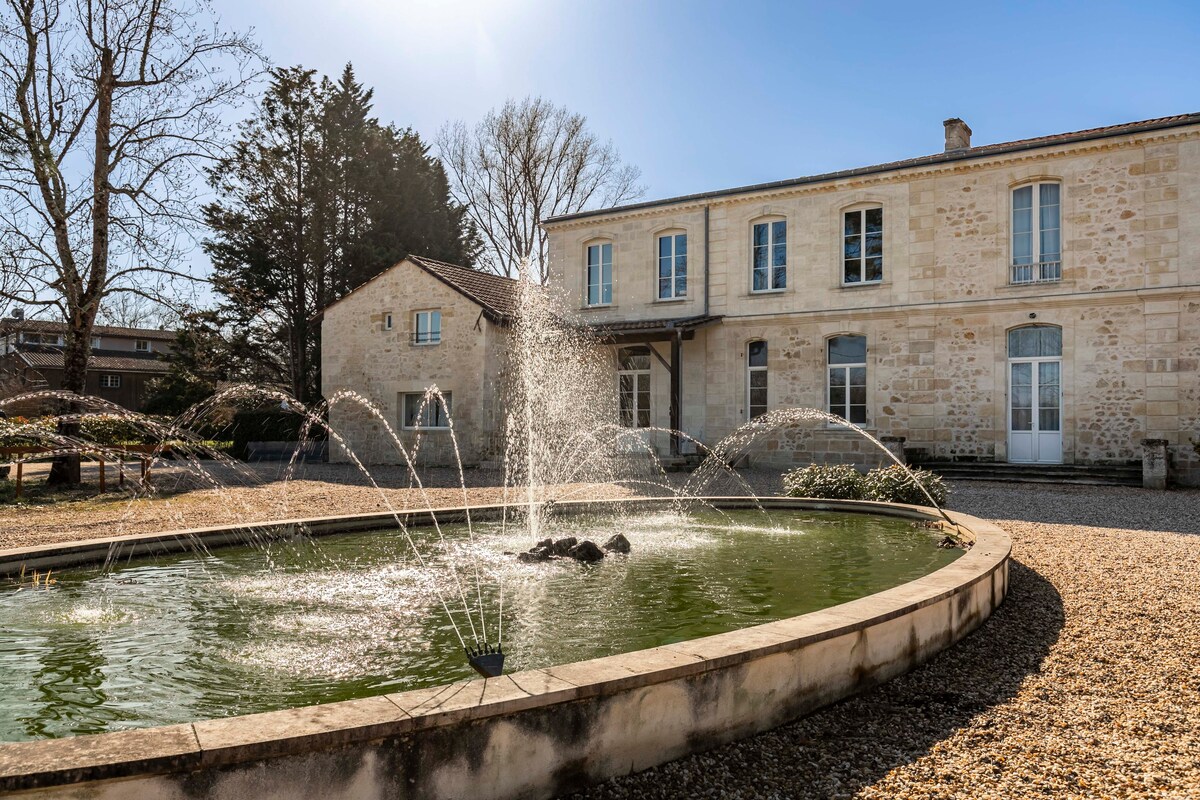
494 293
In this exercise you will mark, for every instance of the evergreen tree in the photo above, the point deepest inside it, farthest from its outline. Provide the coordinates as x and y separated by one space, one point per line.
316 198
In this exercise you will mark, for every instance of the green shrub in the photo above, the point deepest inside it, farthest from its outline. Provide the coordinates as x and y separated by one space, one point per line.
895 485
8 492
836 482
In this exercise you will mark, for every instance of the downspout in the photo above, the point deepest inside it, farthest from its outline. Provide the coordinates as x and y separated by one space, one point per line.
706 259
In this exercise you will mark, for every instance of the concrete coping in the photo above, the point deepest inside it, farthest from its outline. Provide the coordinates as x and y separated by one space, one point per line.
232 740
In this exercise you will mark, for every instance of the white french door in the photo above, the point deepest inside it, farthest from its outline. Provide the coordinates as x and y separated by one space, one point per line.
1035 410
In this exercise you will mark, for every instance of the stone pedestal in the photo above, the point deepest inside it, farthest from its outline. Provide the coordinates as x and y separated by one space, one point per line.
895 445
1154 463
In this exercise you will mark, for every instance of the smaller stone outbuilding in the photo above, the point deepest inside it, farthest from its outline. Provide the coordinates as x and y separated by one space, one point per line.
421 323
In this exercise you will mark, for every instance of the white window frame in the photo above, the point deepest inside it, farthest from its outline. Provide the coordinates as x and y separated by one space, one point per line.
862 236
604 288
95 342
673 237
1038 270
141 345
433 410
434 336
636 375
844 411
752 370
770 246
387 322
110 381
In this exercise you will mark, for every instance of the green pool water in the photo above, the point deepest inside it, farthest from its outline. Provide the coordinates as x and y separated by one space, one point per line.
258 628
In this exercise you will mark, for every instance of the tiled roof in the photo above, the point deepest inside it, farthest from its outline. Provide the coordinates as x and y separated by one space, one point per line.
937 158
11 325
42 357
648 326
497 296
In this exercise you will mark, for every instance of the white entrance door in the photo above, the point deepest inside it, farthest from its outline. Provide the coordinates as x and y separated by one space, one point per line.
1035 410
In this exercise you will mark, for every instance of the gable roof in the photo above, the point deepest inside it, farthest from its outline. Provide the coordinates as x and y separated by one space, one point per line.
12 325
496 295
963 154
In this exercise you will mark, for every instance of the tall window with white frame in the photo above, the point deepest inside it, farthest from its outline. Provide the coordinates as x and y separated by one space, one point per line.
421 413
756 379
847 393
633 386
672 266
770 256
862 246
1036 233
599 274
427 327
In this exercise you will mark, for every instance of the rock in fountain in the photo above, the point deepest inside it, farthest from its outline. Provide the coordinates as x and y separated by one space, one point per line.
586 551
617 544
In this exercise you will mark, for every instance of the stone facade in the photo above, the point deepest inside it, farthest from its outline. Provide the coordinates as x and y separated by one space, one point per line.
359 354
1127 302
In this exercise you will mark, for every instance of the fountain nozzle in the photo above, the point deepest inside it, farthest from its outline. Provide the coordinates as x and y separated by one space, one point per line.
487 660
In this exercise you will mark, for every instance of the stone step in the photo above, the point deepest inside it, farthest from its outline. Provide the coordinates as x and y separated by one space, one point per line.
1083 474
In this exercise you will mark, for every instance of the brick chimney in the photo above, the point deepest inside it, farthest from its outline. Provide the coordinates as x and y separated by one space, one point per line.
958 134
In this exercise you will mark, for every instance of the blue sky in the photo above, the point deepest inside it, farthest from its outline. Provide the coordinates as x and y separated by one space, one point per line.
705 95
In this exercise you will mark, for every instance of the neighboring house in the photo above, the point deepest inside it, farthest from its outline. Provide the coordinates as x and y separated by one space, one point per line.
122 360
419 324
1035 301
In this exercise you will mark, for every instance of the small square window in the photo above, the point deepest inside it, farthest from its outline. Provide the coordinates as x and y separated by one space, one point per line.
142 345
110 381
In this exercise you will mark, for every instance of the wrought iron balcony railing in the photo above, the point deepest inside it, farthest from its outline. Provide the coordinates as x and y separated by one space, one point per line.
1039 272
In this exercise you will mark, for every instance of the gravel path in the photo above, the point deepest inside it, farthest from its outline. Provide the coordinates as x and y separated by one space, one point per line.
1084 684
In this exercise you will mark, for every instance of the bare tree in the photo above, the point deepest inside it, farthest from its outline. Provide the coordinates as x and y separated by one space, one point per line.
109 107
129 310
525 162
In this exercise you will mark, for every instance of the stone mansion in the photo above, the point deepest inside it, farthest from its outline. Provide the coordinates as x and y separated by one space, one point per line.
1035 301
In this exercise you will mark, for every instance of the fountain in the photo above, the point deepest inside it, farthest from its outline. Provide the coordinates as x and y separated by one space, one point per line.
367 612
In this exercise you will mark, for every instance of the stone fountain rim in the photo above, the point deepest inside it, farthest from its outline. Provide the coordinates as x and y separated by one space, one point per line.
236 740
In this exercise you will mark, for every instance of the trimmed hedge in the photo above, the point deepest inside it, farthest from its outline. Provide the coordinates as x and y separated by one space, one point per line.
891 484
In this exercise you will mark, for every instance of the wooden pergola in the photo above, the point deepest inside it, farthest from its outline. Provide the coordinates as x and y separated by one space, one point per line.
648 332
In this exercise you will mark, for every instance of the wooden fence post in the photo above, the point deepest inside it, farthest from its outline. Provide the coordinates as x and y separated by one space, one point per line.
20 464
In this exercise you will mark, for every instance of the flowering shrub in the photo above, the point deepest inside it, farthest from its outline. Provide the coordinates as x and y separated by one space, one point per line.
894 485
837 482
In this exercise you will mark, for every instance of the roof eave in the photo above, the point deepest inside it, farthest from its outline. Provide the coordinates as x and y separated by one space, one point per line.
920 161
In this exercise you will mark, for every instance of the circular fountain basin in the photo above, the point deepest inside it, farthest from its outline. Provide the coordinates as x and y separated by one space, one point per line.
719 624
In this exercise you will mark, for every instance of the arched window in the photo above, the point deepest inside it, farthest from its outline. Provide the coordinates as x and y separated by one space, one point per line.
862 245
846 357
1036 233
599 274
768 259
1035 341
633 386
756 379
